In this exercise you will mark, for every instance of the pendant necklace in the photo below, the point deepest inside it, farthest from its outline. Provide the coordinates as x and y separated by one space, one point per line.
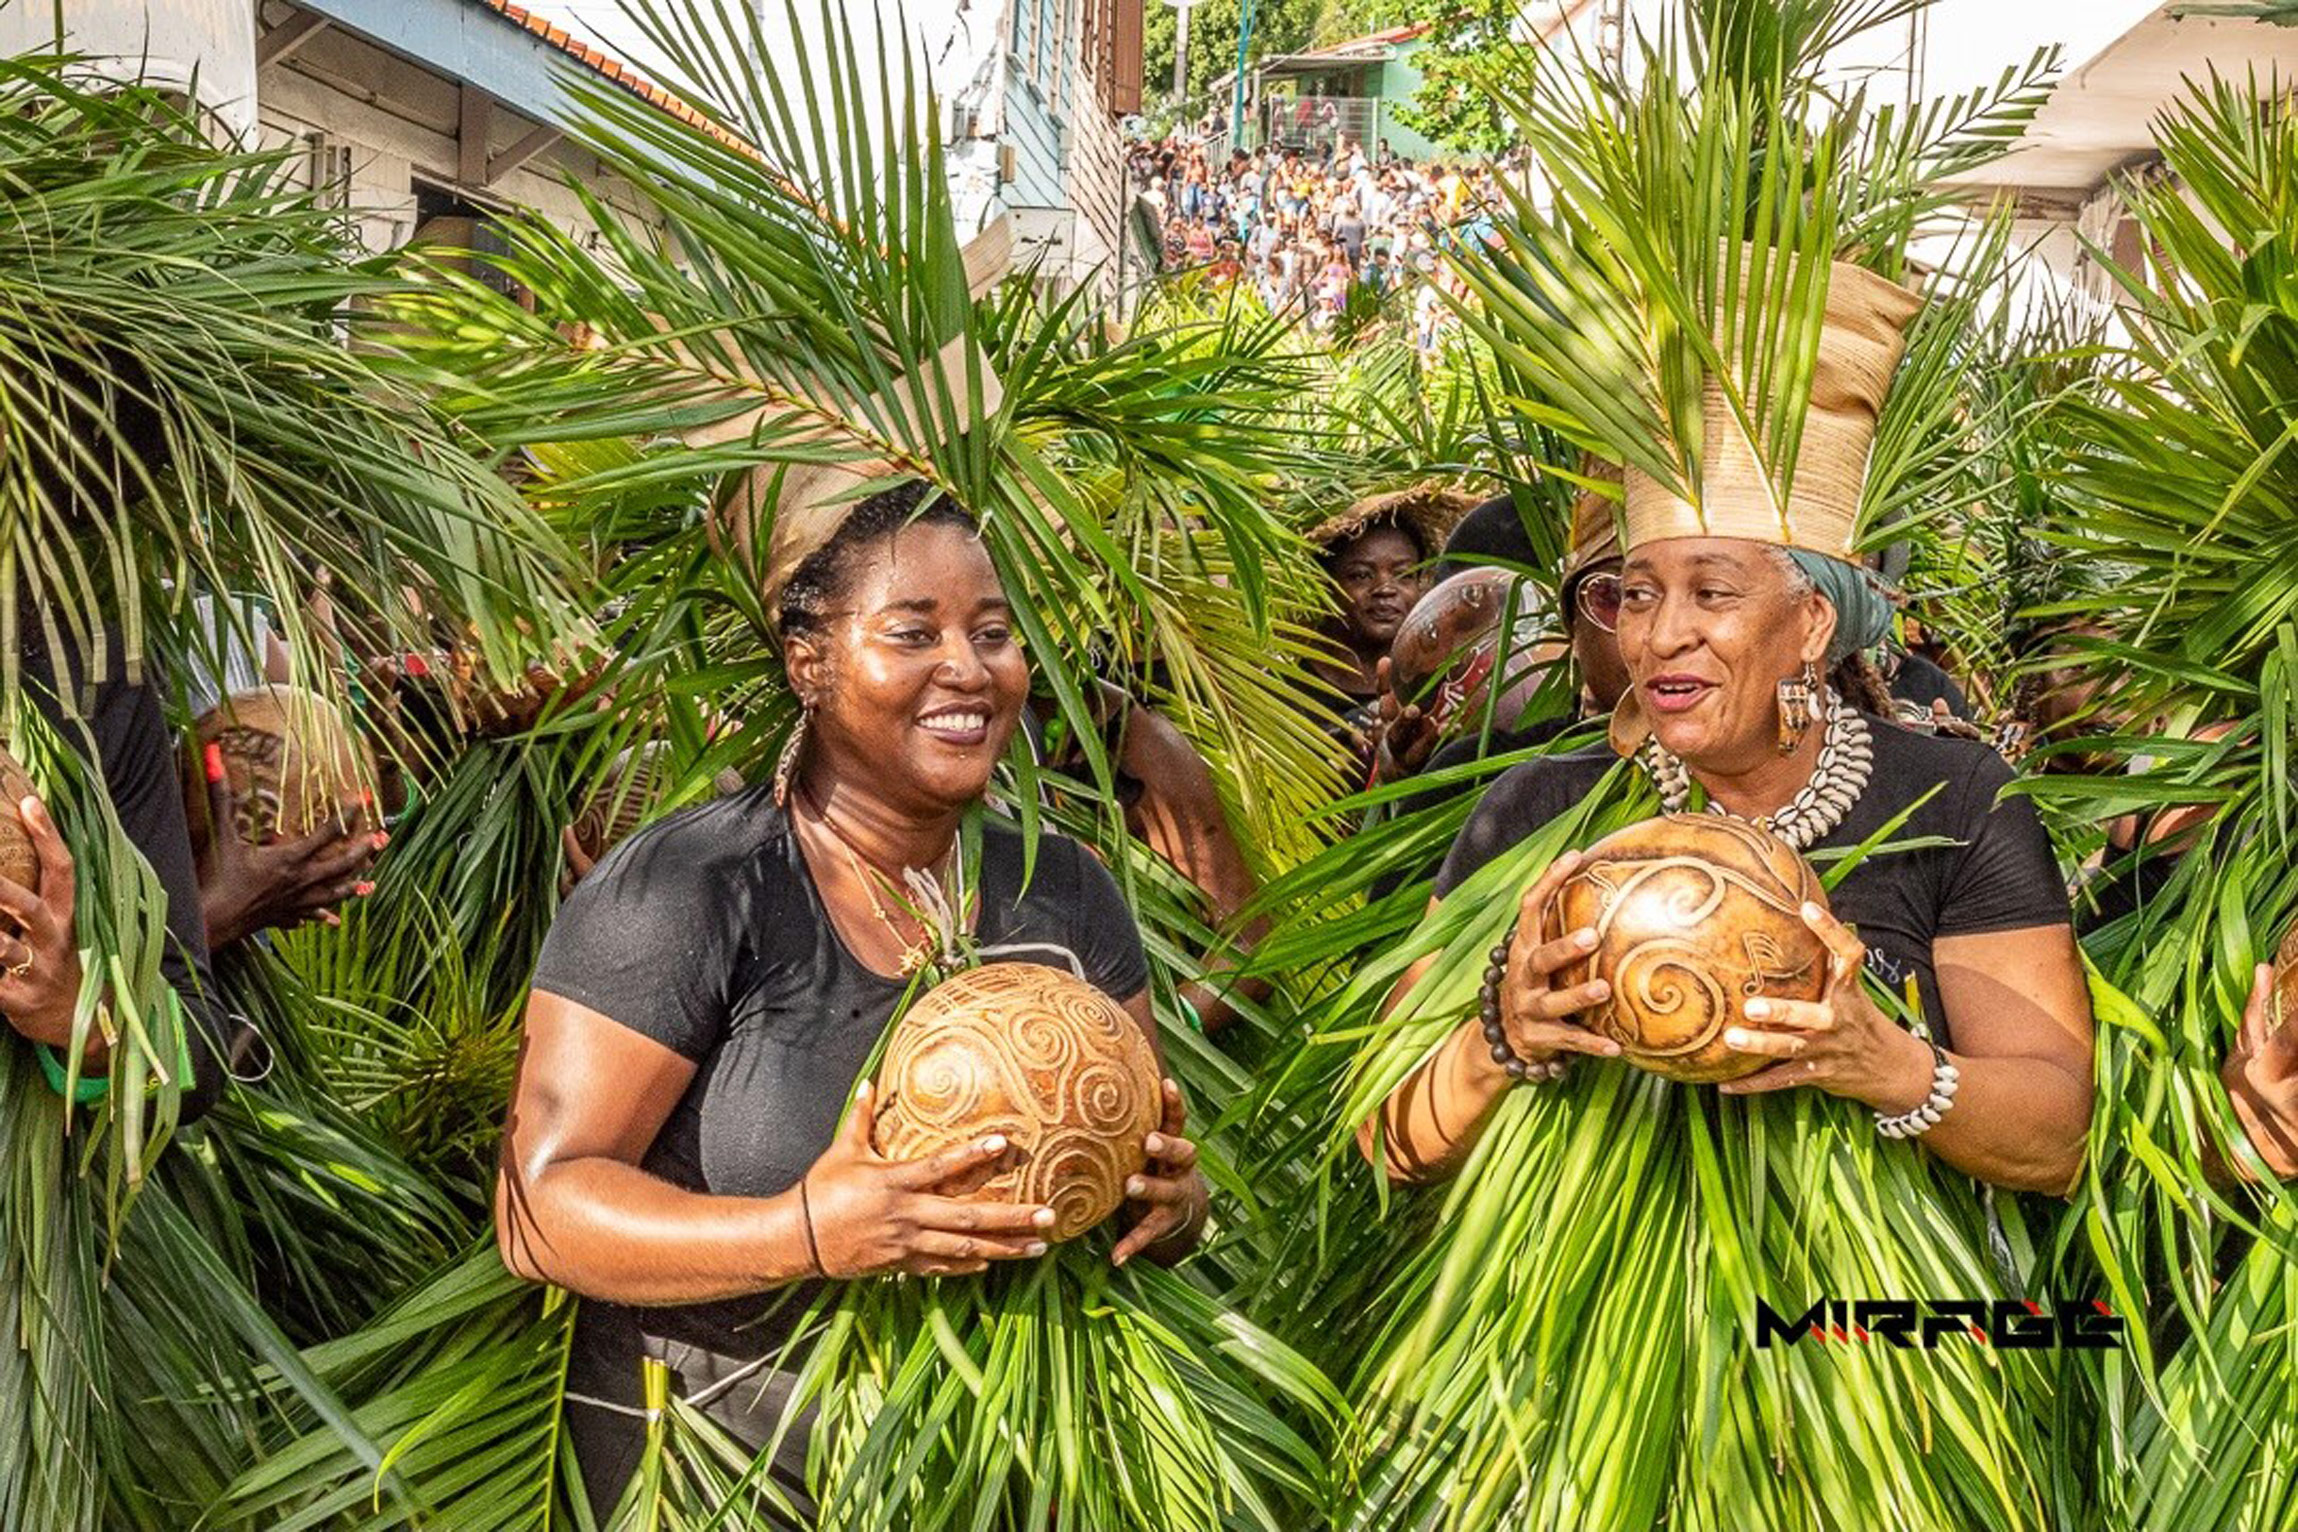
917 953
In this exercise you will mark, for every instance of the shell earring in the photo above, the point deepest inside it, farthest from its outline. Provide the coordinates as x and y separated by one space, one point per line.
1798 695
786 767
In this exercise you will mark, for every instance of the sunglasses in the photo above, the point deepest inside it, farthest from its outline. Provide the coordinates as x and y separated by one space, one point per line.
1599 596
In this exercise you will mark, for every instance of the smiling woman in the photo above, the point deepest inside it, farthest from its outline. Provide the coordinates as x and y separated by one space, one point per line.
1747 686
711 993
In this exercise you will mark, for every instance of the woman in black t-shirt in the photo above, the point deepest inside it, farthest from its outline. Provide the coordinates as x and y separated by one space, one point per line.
711 991
1724 639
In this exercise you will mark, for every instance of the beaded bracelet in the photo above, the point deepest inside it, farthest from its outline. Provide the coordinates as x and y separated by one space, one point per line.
1945 1080
1504 1053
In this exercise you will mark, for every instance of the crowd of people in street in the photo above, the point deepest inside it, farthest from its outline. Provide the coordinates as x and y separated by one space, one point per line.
1305 227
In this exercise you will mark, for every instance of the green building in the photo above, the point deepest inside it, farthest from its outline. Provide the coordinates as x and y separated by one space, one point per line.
1302 100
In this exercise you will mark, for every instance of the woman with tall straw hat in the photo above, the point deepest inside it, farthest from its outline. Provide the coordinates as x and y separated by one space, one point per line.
1715 297
1742 631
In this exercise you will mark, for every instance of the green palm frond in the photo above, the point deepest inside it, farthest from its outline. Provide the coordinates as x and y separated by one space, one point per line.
178 411
1681 255
2178 480
1561 1335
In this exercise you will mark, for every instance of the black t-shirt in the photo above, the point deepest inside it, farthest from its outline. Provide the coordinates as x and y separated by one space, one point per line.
705 932
1998 875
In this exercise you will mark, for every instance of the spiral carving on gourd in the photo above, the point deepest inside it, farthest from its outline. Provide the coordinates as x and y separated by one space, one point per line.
19 861
1693 917
1039 1056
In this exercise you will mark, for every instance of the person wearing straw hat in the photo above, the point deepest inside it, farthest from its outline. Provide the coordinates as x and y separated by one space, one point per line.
710 993
1707 290
1376 554
1741 625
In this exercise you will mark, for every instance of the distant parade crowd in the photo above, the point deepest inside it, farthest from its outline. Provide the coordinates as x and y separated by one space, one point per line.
1307 226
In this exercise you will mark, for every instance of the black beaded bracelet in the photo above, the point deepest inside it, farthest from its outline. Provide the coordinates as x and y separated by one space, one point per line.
1504 1054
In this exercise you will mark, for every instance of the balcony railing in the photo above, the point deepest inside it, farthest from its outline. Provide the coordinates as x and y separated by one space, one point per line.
1313 122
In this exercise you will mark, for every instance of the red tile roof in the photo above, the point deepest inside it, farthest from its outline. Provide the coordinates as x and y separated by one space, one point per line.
604 63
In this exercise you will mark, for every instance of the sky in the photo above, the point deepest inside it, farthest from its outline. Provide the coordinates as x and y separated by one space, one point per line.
605 23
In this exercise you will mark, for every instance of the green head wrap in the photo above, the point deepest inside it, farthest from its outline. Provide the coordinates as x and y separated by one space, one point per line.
1862 611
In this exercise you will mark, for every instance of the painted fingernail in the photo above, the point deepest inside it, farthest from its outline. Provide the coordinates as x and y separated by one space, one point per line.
994 1144
1812 912
379 839
1599 990
212 757
1757 1010
1585 937
1043 1218
417 666
1154 1144
1735 1038
1136 1187
362 888
1036 1247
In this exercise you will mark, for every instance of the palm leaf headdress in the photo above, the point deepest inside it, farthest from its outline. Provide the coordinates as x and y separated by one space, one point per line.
1715 288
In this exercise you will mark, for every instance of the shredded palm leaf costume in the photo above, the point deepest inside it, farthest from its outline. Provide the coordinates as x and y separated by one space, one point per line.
1717 298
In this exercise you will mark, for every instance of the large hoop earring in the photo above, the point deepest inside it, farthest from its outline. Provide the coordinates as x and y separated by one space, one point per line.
1798 696
786 767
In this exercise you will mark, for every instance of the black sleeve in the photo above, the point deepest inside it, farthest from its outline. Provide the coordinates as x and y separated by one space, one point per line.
648 938
1526 797
137 755
2005 878
1101 928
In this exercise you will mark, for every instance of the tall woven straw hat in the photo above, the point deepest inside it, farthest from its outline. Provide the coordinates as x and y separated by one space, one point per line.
1863 334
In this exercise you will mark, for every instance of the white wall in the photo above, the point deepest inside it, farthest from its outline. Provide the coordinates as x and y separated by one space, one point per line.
161 42
1961 44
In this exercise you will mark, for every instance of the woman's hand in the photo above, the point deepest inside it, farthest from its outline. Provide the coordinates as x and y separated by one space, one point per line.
2261 1079
39 959
869 1215
244 889
1841 1043
1537 1014
1169 1196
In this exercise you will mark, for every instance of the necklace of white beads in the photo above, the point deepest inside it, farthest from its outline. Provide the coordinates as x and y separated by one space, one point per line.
1846 760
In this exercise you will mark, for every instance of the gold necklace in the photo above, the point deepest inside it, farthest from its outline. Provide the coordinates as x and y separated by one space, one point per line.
915 953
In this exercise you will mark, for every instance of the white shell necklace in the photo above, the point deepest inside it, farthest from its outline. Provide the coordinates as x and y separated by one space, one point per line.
1846 760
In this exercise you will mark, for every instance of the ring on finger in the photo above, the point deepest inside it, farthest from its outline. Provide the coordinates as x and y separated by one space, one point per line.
22 966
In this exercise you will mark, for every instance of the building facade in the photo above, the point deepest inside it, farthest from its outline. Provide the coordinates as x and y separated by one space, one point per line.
423 119
1035 129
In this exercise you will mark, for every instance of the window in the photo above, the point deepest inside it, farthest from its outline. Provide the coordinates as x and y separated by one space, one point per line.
1025 34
